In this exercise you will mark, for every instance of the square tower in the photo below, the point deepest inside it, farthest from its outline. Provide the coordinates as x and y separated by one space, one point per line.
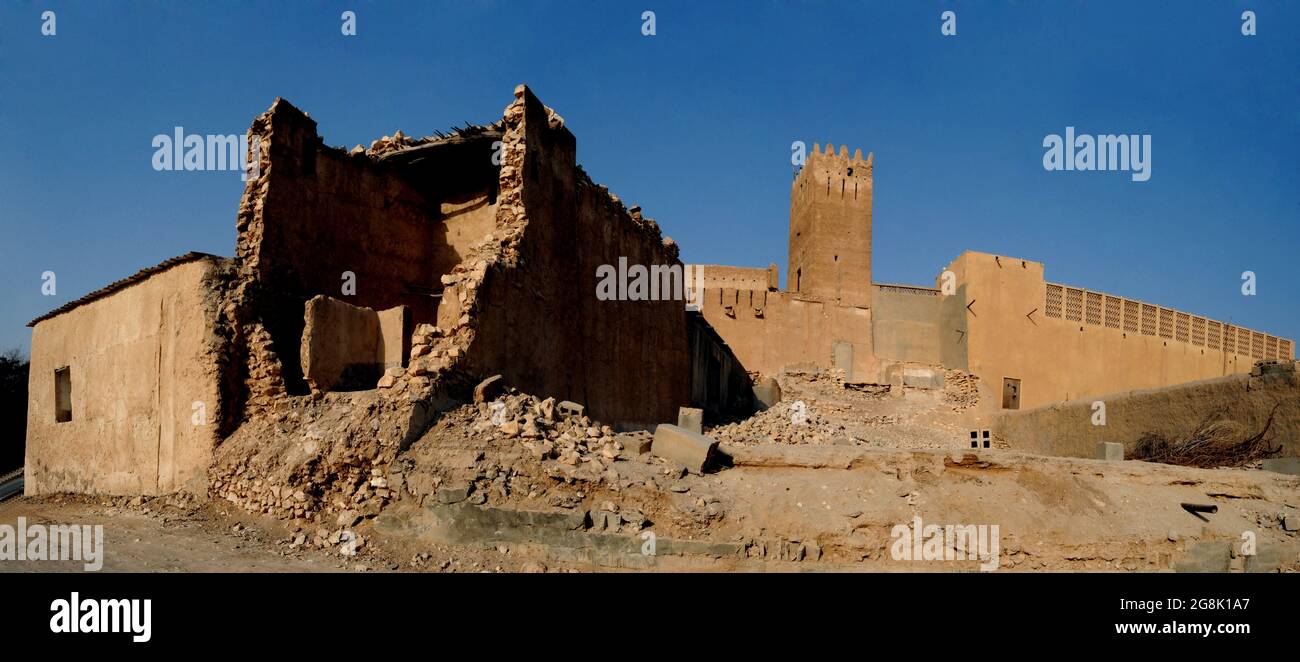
830 228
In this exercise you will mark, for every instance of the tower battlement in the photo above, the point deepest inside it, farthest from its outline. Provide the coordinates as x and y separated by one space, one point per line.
830 227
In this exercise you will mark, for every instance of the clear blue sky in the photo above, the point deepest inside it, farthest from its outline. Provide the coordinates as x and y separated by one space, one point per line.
694 124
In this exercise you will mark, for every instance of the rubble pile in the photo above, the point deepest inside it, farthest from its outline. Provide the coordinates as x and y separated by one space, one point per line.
961 390
558 434
320 458
789 422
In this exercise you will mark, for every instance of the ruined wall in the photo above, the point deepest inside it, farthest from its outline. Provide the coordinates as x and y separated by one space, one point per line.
830 228
385 221
346 347
1067 428
769 330
1096 344
139 359
531 306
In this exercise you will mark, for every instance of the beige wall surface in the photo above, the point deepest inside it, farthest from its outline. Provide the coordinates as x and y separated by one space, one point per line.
1068 429
139 360
770 330
1008 330
905 324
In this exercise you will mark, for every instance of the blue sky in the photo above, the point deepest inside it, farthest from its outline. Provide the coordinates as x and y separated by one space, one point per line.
694 124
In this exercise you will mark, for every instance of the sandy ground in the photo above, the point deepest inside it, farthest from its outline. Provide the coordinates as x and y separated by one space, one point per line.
820 497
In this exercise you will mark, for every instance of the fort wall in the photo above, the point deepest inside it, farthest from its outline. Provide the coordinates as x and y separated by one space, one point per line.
1063 343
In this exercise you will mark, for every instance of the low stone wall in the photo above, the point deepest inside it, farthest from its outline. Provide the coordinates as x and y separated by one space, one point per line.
1067 428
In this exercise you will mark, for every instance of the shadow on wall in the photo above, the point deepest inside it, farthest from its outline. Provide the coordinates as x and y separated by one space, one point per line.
13 410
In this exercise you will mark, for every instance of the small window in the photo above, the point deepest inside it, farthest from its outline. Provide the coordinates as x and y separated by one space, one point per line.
62 395
1010 393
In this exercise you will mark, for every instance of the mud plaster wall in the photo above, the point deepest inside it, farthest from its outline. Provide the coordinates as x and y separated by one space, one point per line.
905 324
540 324
1067 428
1005 333
139 359
769 330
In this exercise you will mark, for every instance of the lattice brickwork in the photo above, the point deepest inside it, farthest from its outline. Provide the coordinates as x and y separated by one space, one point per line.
1098 309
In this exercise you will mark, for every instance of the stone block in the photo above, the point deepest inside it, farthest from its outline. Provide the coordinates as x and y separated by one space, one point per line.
488 389
767 393
691 419
636 445
1109 450
681 446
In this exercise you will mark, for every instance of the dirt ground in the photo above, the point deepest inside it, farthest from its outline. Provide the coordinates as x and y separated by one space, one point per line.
819 486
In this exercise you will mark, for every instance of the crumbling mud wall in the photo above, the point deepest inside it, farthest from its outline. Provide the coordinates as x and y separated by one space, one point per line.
376 228
143 364
1069 428
529 299
519 301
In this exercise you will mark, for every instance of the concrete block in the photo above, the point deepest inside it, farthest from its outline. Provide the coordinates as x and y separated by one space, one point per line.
767 393
1109 450
1291 523
569 408
691 419
689 449
1283 465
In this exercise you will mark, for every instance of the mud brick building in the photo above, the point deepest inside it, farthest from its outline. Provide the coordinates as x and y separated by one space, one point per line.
416 267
